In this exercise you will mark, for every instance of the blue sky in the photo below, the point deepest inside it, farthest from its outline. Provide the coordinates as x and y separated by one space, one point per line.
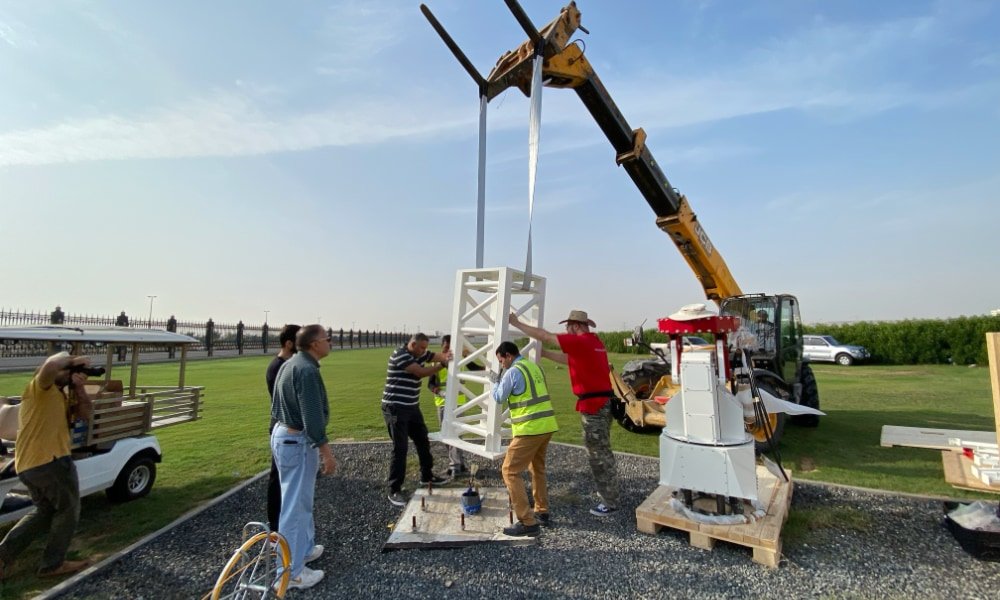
318 159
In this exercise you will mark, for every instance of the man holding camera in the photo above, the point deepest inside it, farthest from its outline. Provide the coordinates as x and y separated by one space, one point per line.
44 464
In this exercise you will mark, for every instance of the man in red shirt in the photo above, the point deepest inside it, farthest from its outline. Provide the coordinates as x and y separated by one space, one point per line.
589 370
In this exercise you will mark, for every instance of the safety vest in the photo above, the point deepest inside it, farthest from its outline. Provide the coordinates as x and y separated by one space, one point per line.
531 411
443 380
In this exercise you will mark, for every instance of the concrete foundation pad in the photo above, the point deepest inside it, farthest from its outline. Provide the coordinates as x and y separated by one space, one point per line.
434 520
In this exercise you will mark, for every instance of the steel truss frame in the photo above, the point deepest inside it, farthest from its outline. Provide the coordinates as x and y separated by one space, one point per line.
483 299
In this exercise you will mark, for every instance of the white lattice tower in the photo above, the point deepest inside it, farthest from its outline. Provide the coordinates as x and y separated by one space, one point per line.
483 299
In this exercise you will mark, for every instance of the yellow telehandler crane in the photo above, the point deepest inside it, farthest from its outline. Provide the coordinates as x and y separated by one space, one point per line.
778 364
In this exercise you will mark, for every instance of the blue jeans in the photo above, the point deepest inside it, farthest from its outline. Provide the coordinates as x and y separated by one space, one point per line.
298 464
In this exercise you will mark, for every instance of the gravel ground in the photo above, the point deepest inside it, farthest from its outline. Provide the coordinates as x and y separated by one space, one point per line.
905 551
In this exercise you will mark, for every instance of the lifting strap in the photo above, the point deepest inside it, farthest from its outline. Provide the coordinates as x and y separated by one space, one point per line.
534 129
481 193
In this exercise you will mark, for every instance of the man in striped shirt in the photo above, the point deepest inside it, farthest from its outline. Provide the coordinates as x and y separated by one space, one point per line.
401 411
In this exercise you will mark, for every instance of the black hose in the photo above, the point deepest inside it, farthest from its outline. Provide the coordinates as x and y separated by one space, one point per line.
760 413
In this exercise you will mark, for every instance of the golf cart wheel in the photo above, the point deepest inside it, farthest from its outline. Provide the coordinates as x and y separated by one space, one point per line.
134 481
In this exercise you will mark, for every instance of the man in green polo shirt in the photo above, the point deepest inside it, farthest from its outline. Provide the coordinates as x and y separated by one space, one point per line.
532 422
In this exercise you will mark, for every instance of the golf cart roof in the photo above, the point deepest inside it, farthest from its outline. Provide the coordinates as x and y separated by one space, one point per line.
107 335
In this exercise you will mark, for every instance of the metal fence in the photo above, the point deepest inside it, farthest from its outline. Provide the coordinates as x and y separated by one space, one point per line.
240 337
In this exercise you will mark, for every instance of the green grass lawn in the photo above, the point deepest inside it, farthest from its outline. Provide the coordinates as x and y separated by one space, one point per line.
203 459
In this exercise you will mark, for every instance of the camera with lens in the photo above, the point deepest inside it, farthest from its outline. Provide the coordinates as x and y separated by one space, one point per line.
88 371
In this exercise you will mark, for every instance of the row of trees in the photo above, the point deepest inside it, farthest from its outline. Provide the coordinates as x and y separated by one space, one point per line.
960 341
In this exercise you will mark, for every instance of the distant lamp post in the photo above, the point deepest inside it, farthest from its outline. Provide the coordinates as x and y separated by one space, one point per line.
266 312
151 310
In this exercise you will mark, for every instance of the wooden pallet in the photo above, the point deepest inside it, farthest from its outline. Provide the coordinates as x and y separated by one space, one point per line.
763 536
958 472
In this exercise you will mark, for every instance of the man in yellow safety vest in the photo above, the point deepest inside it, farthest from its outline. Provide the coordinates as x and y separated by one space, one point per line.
532 422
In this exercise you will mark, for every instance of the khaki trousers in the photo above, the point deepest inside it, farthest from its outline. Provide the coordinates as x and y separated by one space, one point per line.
527 453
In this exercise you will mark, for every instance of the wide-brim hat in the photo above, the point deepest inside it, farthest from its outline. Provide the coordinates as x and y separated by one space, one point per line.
580 316
691 312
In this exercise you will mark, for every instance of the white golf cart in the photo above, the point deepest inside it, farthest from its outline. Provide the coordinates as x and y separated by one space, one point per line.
115 451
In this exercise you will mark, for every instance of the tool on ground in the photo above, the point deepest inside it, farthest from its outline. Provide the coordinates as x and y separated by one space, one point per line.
472 502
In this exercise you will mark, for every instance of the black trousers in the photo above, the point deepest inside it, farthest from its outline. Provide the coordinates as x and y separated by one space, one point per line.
273 496
407 423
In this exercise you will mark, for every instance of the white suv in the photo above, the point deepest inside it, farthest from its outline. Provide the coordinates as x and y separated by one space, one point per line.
825 348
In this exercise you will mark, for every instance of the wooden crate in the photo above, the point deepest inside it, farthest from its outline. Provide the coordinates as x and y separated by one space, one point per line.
763 536
113 422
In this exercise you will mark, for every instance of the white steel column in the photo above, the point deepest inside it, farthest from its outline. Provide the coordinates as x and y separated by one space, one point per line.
483 299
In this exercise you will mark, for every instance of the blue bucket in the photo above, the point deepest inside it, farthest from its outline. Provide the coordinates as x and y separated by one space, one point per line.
472 502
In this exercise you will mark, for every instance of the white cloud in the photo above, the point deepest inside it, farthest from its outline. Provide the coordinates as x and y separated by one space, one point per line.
835 69
15 34
224 125
355 32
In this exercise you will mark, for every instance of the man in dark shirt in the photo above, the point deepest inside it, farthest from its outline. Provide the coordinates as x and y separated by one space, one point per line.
401 411
121 321
287 341
301 448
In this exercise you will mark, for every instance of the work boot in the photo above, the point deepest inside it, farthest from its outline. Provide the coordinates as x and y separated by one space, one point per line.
68 567
519 529
435 480
544 519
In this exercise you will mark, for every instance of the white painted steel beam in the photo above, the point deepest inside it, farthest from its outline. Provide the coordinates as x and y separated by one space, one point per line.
483 299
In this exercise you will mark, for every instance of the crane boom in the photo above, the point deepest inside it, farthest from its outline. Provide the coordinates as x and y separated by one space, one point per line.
565 66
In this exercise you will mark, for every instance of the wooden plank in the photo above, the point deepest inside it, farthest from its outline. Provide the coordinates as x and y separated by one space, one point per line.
768 558
439 523
935 439
993 350
958 472
762 536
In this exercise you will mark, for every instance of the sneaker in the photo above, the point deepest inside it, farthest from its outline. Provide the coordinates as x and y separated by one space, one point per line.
603 510
435 480
306 579
397 498
544 519
315 553
519 529
68 567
